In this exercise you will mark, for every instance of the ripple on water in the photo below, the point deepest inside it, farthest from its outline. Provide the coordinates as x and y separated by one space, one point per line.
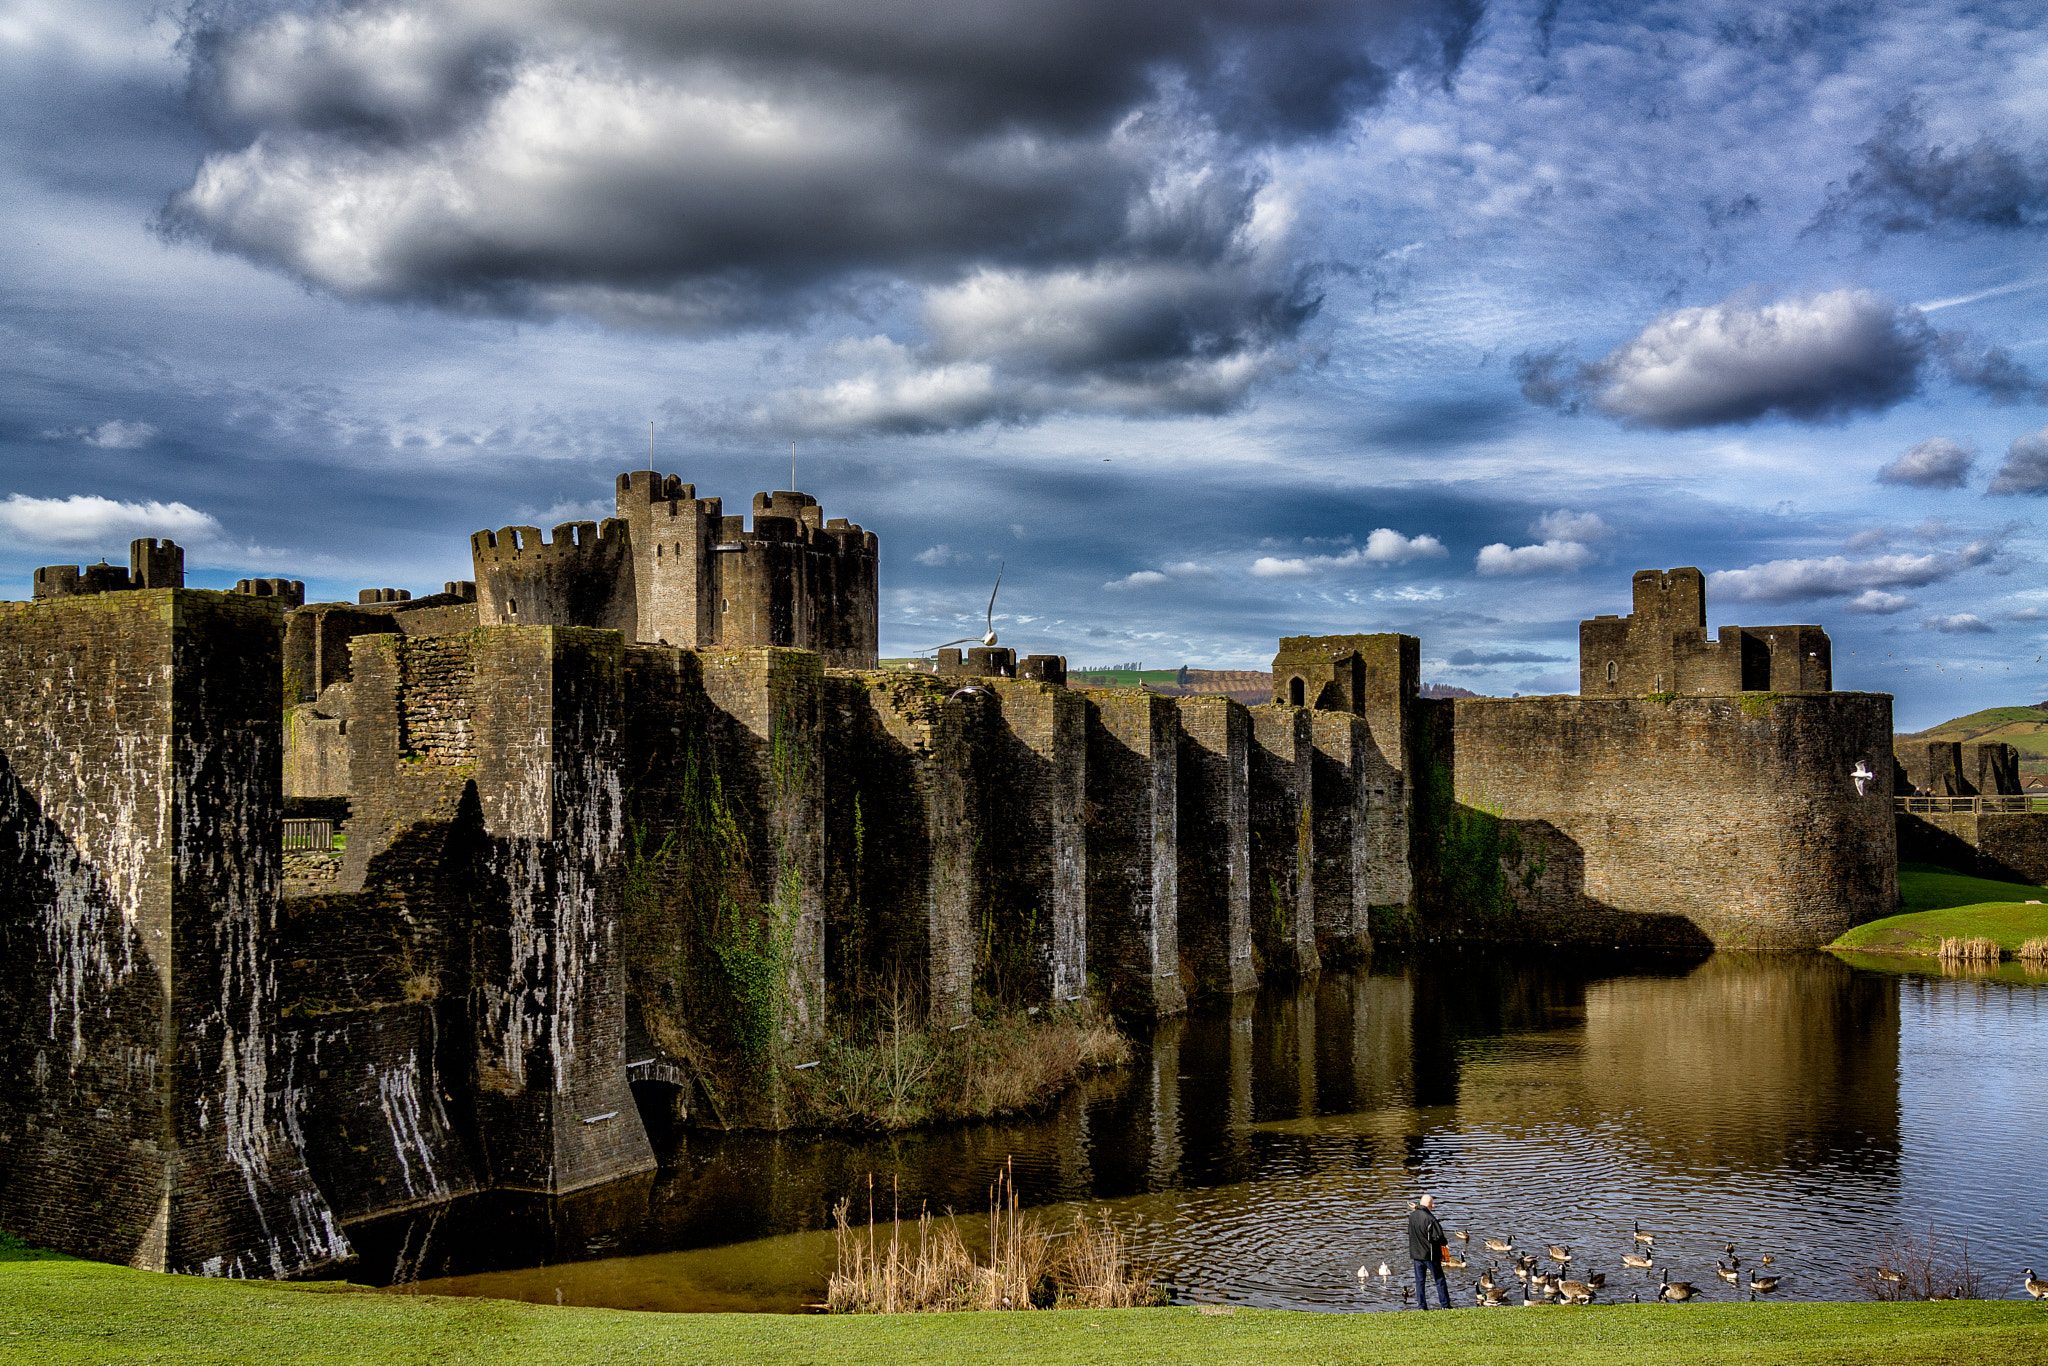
1263 1152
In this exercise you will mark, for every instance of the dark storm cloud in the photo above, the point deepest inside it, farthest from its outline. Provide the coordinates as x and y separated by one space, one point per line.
1819 358
1070 195
1906 184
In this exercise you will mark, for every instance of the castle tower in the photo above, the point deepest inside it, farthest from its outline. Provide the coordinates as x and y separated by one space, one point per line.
582 577
702 579
1663 647
155 564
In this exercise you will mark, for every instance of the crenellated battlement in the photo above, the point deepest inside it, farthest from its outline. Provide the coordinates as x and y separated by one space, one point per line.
152 563
292 591
513 544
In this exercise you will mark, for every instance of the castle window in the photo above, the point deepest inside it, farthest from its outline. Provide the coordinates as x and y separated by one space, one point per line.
657 550
1294 691
1613 671
724 605
512 606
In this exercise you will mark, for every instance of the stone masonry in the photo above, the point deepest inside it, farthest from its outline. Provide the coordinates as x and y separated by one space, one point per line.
605 820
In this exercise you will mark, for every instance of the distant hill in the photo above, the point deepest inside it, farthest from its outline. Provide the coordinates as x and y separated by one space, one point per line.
2024 728
1448 690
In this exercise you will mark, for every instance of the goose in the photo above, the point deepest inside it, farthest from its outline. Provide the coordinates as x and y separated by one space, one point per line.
1462 1236
1885 1273
1521 1273
1678 1292
1597 1279
1453 1260
1767 1259
1576 1292
1560 1255
1639 1262
1646 1239
1494 1296
1762 1285
1733 1260
1407 1294
1727 1273
1487 1280
2036 1287
1501 1244
1530 1301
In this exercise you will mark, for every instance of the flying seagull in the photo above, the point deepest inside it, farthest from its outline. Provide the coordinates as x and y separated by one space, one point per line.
990 638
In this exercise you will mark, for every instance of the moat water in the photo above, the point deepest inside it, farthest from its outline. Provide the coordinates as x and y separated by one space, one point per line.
1260 1152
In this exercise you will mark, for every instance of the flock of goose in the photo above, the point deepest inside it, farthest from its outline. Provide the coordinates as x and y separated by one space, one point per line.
1538 1287
1494 1291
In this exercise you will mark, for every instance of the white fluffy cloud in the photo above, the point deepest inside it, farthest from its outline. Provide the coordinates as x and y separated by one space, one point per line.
1143 578
941 554
1936 463
1816 358
1878 603
1549 557
1837 576
88 520
2026 466
1384 546
1565 525
1958 624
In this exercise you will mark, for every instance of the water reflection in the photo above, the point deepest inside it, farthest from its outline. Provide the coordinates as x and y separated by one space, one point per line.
1262 1150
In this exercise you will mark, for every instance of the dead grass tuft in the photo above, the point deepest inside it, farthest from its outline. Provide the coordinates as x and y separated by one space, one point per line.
2035 951
1976 949
1028 1266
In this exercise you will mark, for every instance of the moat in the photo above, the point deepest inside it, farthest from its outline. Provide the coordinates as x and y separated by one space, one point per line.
1260 1150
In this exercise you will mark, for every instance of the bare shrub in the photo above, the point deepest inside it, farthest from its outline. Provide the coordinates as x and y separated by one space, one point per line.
1976 949
1028 1267
1933 1267
909 1071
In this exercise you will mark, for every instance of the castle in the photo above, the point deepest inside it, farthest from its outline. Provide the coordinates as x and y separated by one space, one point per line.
632 821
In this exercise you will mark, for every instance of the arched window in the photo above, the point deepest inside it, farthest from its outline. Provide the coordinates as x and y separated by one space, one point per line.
1613 671
1294 691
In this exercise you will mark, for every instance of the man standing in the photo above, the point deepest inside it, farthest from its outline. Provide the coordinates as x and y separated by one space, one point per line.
1426 1242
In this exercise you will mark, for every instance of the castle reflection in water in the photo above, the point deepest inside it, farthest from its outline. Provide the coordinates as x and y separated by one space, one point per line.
1260 1152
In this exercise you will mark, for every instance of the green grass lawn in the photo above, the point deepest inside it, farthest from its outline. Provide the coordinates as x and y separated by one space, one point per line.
1941 902
54 1312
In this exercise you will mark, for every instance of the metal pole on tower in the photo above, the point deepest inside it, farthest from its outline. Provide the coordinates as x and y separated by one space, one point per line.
792 467
650 445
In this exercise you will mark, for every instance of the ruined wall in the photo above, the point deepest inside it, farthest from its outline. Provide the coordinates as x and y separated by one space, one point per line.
140 1114
1281 763
1132 851
1215 880
1351 789
905 842
583 576
2005 847
488 784
1729 821
1037 922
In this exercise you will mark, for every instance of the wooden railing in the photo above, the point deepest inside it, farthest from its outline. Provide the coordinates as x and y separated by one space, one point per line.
309 834
1973 806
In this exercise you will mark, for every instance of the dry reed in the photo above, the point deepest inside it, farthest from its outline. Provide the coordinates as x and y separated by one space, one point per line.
1930 1268
1978 949
2035 951
1028 1267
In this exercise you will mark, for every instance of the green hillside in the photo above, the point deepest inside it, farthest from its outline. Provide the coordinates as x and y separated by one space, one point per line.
2024 728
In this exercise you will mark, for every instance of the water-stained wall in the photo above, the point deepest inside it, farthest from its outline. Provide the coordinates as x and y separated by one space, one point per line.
140 762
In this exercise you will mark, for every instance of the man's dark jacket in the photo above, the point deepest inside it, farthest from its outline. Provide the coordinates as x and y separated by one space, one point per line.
1425 1235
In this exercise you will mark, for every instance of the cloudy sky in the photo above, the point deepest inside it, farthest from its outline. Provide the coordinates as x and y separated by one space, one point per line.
1212 320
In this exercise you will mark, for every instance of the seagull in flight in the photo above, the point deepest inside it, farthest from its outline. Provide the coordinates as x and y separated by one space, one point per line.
990 638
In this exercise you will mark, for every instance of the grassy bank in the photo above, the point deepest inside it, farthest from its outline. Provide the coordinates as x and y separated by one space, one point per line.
1941 903
906 1073
54 1313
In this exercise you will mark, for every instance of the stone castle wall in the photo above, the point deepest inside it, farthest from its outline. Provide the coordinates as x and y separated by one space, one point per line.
143 1120
1723 821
